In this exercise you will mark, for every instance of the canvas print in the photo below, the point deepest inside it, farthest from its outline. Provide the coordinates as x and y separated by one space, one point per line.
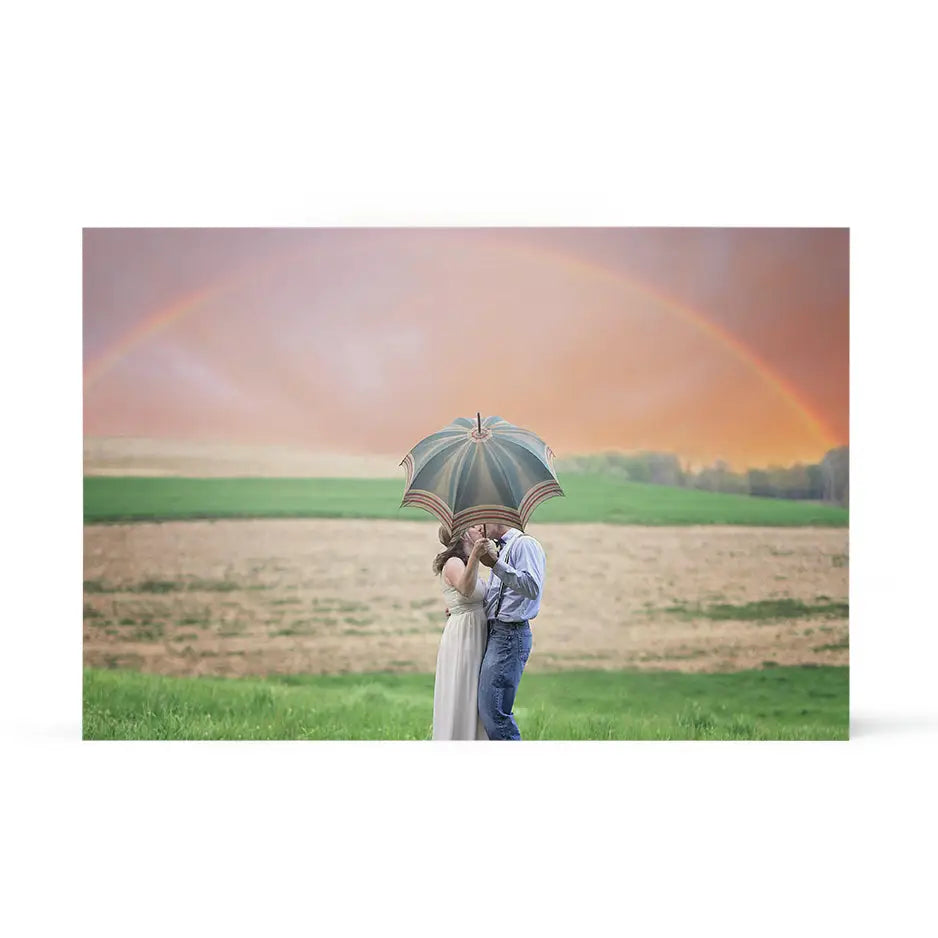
466 484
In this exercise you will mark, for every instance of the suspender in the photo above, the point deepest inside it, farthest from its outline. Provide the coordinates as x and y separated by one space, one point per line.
501 583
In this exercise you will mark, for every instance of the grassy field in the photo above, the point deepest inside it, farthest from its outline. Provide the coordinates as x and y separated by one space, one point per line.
588 499
803 703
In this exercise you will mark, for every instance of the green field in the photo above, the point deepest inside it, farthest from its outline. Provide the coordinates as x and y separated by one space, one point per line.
588 499
802 703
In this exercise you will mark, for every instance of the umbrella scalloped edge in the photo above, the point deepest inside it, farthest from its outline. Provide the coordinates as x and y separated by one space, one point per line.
483 514
408 463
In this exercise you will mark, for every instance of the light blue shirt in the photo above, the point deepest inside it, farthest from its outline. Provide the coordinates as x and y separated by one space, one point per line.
524 579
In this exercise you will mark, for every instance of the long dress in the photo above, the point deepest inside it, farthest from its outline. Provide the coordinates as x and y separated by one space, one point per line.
458 662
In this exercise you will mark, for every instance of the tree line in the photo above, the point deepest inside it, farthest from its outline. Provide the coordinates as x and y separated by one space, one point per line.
828 480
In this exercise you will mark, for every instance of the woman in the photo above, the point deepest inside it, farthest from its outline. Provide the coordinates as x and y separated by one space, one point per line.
462 647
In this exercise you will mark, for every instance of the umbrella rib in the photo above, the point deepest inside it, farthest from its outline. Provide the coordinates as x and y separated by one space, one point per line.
505 477
431 464
541 459
537 471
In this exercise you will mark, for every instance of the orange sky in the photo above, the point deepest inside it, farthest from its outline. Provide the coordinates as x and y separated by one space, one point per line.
711 343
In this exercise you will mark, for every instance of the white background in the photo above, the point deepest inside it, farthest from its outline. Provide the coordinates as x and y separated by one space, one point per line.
199 114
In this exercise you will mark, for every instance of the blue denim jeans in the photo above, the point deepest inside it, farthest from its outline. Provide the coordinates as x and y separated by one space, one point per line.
505 657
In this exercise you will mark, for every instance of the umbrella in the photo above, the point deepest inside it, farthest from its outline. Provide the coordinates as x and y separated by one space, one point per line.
478 472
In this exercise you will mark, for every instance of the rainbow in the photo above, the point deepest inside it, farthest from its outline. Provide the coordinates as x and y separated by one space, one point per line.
742 353
150 326
188 303
195 300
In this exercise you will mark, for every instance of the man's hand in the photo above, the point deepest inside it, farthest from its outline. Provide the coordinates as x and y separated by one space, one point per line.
488 556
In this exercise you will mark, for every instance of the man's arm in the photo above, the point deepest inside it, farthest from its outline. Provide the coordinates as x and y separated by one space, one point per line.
526 576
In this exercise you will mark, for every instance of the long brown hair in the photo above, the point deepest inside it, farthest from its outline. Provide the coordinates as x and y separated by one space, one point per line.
453 547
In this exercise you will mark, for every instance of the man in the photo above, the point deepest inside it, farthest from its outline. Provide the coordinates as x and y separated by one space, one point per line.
512 600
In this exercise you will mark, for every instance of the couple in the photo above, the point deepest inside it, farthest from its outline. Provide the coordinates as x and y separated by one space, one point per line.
487 638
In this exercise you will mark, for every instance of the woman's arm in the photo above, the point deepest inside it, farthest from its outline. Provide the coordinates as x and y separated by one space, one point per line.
463 576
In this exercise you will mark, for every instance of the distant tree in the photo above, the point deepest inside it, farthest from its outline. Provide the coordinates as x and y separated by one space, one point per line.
615 464
827 480
636 465
707 479
815 482
759 483
720 478
777 481
652 467
798 482
835 468
663 468
607 463
730 481
721 472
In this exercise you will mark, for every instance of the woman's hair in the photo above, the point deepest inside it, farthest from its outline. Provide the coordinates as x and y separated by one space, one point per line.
453 547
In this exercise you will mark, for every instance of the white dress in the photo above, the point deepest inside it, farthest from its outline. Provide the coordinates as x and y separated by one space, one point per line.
458 662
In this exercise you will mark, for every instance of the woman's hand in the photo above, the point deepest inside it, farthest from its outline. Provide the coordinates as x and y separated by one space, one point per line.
487 552
464 577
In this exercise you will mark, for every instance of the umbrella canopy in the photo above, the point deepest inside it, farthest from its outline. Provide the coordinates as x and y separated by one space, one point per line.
480 472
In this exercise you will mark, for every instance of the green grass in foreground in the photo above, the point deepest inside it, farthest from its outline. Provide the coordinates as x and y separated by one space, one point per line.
778 703
588 499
